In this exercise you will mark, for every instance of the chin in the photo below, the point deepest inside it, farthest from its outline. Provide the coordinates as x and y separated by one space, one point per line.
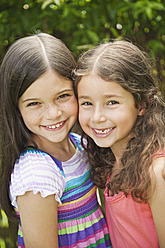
103 145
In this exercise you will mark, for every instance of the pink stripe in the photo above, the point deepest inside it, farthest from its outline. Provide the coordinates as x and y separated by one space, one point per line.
92 238
75 205
93 216
20 228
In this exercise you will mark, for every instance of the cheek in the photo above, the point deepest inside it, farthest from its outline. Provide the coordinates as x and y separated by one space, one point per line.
31 118
83 118
71 108
74 107
127 120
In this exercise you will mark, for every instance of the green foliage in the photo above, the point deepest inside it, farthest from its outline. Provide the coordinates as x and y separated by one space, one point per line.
82 24
8 232
3 221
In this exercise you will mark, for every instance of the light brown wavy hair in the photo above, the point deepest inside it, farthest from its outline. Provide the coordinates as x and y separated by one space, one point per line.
126 64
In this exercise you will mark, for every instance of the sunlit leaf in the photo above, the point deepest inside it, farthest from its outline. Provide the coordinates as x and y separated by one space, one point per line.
46 3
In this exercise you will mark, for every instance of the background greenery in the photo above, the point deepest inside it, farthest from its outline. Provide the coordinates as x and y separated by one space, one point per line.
82 24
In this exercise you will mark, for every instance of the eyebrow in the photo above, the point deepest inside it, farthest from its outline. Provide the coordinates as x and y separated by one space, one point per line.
30 99
37 99
107 96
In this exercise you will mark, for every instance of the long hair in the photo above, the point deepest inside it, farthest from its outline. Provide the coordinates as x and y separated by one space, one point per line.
25 61
126 64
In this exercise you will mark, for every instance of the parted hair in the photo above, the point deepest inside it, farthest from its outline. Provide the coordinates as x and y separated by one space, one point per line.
25 61
125 63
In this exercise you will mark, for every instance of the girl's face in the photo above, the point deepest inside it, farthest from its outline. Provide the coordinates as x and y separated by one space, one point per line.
107 112
49 108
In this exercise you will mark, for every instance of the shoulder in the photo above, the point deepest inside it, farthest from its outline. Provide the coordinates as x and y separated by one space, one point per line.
157 199
157 173
36 161
36 171
158 165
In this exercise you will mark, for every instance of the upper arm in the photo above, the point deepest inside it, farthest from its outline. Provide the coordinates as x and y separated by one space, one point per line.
39 220
157 201
37 184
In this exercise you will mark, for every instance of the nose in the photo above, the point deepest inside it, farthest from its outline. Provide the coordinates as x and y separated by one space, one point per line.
53 112
98 115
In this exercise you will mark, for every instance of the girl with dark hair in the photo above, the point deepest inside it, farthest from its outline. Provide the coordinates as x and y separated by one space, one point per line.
123 115
45 175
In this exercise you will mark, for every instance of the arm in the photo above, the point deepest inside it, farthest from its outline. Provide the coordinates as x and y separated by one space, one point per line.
157 200
39 220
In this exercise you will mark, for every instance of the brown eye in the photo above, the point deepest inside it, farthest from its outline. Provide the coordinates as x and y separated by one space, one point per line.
113 103
33 104
64 96
86 103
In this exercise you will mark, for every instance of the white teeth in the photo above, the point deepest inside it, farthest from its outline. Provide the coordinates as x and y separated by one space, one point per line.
103 131
55 126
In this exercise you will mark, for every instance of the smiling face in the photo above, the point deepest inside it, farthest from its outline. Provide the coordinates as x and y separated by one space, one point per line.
49 108
107 112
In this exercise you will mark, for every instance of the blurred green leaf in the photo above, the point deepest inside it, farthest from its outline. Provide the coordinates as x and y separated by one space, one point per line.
93 36
156 47
46 3
3 220
149 13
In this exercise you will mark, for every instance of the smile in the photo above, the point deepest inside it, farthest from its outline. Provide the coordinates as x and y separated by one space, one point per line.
55 126
102 131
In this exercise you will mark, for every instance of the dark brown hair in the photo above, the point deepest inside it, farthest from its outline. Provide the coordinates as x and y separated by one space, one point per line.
26 60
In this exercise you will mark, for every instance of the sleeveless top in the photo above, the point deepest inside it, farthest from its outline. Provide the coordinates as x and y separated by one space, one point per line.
80 220
130 223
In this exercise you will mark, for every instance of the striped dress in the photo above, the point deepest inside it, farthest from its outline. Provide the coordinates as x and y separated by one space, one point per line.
80 220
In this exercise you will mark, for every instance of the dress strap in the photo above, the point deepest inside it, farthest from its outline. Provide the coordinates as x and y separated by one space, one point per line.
159 154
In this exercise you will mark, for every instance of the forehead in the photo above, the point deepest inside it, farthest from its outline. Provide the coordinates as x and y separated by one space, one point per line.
93 83
96 88
49 83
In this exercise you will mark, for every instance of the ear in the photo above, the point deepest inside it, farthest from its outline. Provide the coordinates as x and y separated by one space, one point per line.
141 109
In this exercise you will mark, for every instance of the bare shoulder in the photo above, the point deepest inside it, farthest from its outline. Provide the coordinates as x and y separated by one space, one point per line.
158 168
157 199
157 172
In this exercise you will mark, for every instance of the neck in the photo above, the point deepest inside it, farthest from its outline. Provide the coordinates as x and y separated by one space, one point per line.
119 149
62 151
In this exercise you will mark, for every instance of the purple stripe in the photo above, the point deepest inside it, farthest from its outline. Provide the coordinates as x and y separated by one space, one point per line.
52 175
44 166
39 186
76 139
76 196
20 240
40 177
39 158
75 238
81 169
58 163
70 239
73 160
87 183
78 180
77 211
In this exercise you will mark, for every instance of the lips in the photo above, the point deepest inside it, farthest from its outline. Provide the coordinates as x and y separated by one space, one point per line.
55 126
102 132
